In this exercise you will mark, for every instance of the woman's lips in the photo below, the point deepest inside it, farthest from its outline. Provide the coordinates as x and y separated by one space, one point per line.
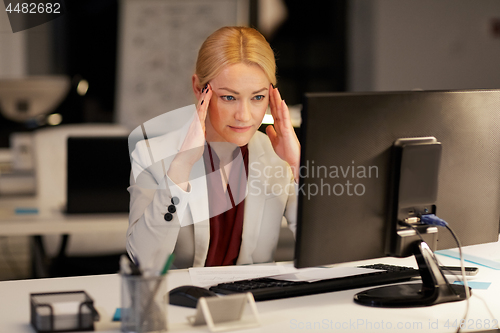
240 129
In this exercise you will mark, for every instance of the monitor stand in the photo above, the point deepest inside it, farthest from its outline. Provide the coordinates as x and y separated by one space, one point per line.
434 288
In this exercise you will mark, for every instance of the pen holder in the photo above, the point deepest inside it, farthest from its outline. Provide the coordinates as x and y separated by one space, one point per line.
144 305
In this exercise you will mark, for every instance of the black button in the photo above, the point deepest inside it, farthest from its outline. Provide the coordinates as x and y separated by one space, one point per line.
171 209
168 217
175 200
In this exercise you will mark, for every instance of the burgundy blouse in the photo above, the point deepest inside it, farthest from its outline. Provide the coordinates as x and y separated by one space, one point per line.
225 228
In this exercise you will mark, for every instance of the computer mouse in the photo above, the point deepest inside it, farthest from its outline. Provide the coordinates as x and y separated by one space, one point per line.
188 295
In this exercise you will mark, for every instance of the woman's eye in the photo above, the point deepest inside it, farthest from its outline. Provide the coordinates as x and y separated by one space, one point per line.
228 98
259 97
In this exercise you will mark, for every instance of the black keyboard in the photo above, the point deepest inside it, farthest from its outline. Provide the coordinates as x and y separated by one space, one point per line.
264 289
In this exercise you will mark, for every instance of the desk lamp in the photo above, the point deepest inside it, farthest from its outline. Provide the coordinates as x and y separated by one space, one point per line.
25 99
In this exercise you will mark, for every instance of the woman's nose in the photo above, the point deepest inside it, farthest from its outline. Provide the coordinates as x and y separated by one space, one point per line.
243 114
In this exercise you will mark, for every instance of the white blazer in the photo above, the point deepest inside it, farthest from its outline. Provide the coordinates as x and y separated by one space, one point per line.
271 196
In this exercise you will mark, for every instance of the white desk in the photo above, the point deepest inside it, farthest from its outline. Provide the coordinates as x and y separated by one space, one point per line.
54 222
30 225
329 312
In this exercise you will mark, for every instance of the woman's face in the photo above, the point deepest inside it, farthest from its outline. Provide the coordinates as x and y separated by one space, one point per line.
240 96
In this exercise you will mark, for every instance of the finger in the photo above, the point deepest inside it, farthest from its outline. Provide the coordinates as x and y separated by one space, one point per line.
204 102
277 99
285 113
271 133
274 109
272 105
282 108
286 122
277 111
208 96
273 101
202 98
278 95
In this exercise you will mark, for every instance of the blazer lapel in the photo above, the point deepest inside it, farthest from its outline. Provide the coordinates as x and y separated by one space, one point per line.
254 204
198 205
254 201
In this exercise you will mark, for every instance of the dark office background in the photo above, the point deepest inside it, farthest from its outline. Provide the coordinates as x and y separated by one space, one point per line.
310 47
393 45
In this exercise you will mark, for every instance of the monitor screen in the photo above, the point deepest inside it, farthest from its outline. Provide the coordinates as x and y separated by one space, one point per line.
346 168
98 174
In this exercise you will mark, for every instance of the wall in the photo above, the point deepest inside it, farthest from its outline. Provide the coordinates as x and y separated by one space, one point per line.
28 52
12 48
423 44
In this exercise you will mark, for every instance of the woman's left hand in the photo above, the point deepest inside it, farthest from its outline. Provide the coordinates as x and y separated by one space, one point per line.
282 135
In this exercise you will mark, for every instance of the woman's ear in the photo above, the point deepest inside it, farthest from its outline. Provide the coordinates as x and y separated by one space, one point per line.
196 86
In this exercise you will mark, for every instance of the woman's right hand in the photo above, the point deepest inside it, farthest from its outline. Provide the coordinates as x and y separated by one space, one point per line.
194 143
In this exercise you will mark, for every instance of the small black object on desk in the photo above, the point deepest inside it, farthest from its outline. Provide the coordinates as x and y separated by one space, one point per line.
188 295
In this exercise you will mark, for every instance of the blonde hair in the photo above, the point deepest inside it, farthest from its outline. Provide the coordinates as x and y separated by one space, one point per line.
234 45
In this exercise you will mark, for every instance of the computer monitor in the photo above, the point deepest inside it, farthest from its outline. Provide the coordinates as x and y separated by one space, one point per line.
346 190
98 174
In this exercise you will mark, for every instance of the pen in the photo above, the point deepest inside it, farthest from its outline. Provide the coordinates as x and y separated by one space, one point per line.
168 263
164 271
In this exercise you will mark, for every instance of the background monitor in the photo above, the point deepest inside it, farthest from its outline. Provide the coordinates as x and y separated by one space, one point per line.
98 175
345 182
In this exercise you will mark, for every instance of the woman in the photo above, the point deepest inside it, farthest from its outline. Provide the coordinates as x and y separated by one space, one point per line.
207 220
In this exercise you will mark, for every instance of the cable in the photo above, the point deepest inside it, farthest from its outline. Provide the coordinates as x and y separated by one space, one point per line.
462 265
432 219
436 260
